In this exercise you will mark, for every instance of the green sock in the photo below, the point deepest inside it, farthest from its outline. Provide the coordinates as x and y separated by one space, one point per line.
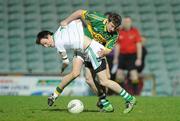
126 95
57 92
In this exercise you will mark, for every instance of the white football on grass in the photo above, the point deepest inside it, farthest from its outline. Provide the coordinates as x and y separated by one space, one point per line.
75 106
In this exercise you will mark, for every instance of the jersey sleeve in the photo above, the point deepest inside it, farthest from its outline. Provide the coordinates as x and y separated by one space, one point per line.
92 16
84 14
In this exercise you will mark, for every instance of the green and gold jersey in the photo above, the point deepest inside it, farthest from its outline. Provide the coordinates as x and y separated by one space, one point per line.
96 29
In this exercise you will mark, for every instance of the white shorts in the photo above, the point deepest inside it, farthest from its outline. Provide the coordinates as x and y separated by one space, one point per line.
92 54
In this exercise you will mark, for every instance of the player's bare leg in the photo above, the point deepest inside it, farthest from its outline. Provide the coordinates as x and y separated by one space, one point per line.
100 90
77 64
135 80
120 77
89 80
130 100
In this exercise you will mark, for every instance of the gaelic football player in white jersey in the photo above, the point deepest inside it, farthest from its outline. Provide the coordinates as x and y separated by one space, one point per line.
72 37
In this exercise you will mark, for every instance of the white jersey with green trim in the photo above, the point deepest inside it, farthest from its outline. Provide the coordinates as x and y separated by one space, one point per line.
69 37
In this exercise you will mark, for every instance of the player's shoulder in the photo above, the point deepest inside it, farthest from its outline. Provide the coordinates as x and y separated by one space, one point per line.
96 14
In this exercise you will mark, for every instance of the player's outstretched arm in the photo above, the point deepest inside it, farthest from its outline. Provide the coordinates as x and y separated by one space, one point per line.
65 60
77 14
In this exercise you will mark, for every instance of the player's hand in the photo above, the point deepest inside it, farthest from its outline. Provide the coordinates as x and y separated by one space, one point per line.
64 23
101 53
138 62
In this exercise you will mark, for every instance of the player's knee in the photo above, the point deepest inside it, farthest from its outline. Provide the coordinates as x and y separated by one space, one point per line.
75 74
104 82
120 76
134 77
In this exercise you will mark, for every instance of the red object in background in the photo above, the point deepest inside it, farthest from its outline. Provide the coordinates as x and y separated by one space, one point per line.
128 40
128 85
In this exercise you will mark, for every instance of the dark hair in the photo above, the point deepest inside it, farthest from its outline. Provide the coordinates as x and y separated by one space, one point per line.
107 13
115 19
41 35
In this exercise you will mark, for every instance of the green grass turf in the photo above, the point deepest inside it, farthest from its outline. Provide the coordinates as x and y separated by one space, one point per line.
34 108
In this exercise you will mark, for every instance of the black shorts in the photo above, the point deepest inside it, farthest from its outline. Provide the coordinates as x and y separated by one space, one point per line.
99 69
127 61
79 52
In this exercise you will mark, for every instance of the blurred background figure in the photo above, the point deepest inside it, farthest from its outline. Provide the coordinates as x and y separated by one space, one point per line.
128 54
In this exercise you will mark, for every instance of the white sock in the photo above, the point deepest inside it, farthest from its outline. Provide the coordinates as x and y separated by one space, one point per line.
55 95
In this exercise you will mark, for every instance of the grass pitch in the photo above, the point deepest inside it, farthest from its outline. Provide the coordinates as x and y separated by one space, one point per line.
34 108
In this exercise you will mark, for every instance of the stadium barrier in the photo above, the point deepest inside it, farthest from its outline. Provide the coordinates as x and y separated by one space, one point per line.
40 85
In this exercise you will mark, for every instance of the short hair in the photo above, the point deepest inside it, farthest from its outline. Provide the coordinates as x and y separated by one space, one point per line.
115 19
107 13
41 35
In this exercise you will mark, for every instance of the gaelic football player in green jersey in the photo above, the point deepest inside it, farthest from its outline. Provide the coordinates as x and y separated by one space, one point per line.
98 29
